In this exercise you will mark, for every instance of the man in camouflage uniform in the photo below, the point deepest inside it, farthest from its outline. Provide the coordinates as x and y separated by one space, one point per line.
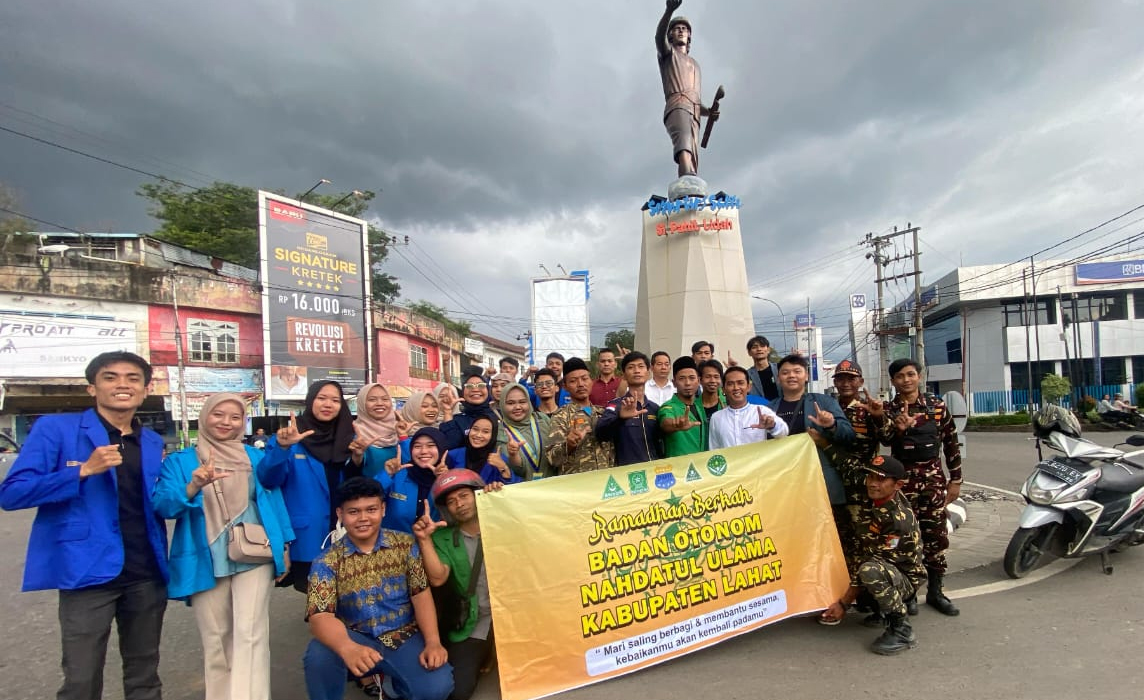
923 429
889 551
871 427
571 445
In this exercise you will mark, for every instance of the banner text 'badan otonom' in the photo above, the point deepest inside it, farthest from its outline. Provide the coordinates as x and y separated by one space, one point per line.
628 567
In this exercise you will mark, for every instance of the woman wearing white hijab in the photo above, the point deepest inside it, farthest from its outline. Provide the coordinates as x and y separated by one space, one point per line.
375 430
229 545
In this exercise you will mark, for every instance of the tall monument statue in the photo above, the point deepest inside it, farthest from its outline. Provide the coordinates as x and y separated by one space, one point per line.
682 90
693 274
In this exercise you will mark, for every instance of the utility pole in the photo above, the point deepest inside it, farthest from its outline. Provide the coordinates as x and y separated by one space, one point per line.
185 426
882 329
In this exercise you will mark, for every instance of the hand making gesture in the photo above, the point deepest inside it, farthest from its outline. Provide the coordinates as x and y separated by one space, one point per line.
821 418
764 421
513 448
425 526
576 435
101 459
679 423
501 467
873 406
362 440
630 408
731 361
904 421
205 474
289 435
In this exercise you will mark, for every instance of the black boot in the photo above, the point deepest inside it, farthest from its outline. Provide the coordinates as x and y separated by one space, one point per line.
912 605
874 621
898 637
936 598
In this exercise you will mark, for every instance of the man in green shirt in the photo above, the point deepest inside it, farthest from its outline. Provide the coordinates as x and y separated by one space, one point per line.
684 425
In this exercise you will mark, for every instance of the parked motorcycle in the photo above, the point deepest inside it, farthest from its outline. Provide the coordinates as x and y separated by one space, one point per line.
1086 499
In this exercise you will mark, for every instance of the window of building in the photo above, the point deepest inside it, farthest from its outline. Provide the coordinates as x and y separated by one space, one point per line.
1138 370
1109 306
1112 370
1042 313
212 341
1138 304
418 357
1019 374
943 341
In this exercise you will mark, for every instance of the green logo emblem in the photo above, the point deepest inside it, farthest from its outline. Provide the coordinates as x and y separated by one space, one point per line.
637 482
717 465
692 473
612 490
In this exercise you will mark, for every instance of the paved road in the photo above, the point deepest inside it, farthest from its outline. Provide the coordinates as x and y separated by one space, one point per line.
1075 635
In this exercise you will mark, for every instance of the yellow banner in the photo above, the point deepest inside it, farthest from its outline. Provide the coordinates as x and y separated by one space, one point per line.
600 574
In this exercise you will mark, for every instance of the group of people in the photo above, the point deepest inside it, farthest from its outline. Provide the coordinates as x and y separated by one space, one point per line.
1117 411
374 517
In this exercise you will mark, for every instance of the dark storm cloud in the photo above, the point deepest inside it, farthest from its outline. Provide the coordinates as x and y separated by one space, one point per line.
509 126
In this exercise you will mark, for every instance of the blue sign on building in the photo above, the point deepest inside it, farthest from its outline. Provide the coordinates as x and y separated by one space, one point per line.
1104 272
804 321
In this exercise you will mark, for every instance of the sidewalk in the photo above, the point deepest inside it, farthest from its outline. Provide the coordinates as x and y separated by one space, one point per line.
991 519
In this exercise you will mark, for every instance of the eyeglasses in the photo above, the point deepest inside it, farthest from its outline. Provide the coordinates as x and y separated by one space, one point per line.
474 385
545 385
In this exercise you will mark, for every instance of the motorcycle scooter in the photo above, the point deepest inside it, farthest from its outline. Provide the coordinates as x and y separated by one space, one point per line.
1085 499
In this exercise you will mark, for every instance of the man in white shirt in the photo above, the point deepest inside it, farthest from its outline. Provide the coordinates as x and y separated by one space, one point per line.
660 389
739 422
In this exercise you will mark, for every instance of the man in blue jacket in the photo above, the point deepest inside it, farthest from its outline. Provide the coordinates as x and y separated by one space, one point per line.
96 537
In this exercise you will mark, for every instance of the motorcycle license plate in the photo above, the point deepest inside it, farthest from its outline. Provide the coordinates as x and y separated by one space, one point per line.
1069 475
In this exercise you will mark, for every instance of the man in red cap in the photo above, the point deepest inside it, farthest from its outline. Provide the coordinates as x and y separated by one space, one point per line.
890 550
454 563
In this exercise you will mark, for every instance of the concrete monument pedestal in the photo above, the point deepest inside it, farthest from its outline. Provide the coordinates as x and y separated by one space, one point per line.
693 278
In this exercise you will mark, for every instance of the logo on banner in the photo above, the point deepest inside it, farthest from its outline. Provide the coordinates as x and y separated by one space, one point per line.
717 465
637 482
664 479
612 490
285 212
693 473
318 242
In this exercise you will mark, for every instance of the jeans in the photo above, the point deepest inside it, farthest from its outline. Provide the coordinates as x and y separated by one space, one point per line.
85 626
326 672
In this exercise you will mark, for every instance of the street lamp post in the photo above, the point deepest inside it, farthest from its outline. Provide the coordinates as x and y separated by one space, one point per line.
781 315
318 184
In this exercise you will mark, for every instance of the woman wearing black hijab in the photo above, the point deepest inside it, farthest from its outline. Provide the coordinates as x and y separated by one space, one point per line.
307 459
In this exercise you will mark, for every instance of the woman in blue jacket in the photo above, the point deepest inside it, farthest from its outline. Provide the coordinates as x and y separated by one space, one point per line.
307 460
211 493
407 486
375 430
480 455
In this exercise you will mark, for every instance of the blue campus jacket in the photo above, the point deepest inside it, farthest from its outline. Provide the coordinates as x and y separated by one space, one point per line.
192 569
302 480
75 540
841 434
401 506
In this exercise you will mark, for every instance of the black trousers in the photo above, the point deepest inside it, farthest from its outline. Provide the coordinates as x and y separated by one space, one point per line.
467 657
85 626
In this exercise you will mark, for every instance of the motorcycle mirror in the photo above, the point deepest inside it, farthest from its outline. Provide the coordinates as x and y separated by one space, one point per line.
1135 440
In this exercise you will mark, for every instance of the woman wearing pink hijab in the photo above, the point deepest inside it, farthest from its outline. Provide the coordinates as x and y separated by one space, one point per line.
375 430
212 494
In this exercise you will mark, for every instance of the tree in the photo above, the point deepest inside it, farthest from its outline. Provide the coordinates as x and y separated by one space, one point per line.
222 220
1054 388
439 313
625 338
10 223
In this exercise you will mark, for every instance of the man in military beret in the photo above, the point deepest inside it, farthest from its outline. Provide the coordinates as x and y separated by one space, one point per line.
889 545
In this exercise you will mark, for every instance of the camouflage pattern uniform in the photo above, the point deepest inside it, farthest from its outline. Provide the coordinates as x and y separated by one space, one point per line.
590 455
889 551
850 461
919 450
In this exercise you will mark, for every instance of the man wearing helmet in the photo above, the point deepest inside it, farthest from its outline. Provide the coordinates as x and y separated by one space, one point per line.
681 88
451 555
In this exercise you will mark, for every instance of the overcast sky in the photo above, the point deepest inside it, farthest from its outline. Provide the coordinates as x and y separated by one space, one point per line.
508 134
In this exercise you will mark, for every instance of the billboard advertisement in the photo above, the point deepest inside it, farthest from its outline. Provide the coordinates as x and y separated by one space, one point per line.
560 317
315 283
58 346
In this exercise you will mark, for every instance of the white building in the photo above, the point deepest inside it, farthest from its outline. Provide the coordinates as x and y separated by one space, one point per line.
987 324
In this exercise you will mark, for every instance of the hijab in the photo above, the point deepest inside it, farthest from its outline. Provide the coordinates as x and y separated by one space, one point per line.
477 457
530 431
384 430
225 499
437 391
411 411
330 443
422 476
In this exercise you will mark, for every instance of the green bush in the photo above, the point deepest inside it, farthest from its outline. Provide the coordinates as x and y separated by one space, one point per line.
1000 419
